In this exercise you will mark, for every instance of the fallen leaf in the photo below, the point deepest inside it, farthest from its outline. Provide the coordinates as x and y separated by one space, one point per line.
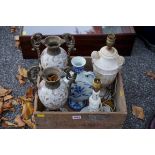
109 102
7 124
27 110
22 74
23 99
138 112
22 71
4 92
8 92
29 92
19 77
4 119
151 74
21 80
13 28
4 125
53 78
30 124
1 107
8 97
19 121
9 109
7 105
15 102
1 99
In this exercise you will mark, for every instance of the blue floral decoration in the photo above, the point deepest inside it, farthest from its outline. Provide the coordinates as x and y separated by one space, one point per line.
81 90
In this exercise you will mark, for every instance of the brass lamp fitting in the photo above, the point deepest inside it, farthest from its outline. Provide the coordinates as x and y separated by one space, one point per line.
110 40
97 84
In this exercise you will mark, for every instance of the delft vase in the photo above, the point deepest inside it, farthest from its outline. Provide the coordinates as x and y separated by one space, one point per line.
81 90
107 62
53 55
52 90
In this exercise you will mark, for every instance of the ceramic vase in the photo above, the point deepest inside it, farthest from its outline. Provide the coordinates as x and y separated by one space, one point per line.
81 90
52 90
53 55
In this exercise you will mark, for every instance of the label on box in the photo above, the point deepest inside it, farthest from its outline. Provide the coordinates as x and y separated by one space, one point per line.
76 117
40 115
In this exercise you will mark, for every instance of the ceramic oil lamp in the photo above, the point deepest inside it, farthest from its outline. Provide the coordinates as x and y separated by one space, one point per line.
107 62
81 89
52 90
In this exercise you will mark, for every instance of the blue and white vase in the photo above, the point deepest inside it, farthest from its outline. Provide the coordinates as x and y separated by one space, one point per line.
81 90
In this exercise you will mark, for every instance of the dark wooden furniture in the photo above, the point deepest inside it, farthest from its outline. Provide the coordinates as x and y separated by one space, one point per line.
88 41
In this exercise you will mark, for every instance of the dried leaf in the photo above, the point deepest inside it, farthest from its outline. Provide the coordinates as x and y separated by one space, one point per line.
4 119
1 107
19 121
21 80
23 99
1 99
22 74
7 124
151 74
8 97
8 92
10 109
138 112
109 103
7 105
22 71
19 77
27 110
13 28
15 102
30 124
4 125
29 92
53 78
4 92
